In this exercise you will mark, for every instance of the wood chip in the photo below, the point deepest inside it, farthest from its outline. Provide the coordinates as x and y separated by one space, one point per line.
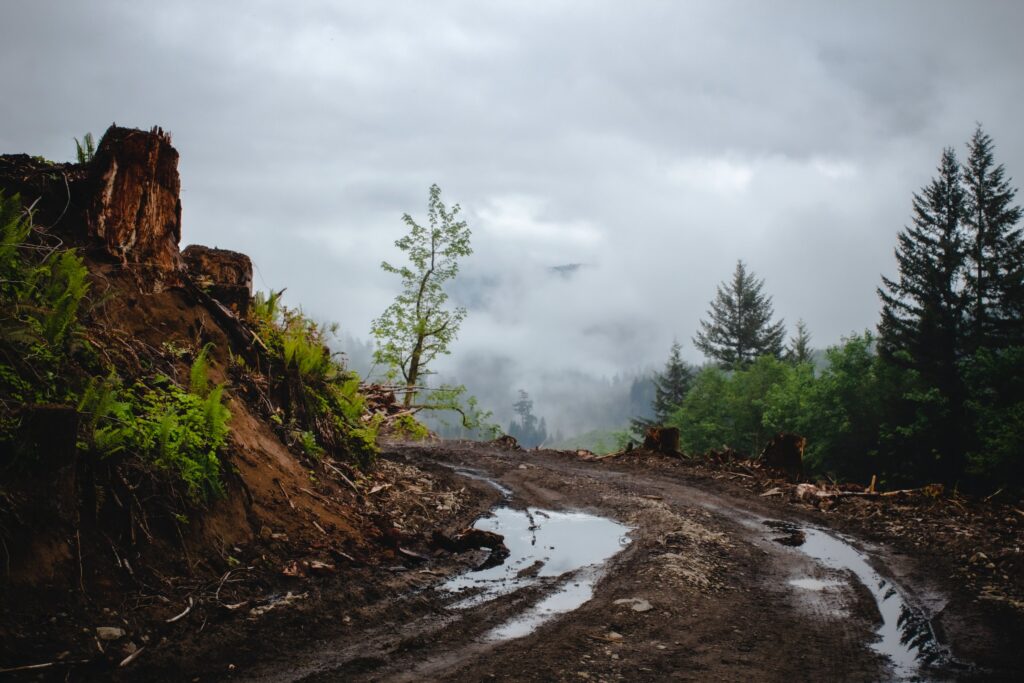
131 658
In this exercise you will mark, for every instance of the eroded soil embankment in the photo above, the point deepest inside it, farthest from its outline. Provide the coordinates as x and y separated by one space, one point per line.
726 600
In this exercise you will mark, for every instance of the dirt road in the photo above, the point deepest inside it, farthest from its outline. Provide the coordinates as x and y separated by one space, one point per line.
701 586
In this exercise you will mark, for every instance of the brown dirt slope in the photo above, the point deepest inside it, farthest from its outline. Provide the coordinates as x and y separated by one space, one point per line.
110 544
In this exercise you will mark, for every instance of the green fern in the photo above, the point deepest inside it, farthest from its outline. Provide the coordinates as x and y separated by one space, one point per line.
65 291
265 308
86 152
199 373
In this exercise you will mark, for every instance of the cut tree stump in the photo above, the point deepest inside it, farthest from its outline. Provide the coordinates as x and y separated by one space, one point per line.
785 453
662 440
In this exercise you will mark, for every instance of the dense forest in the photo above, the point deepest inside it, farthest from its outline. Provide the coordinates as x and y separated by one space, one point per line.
936 393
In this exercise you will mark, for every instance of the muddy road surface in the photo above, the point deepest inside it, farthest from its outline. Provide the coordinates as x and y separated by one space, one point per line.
643 576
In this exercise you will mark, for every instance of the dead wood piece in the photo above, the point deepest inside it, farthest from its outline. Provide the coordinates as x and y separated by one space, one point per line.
131 658
725 455
662 440
474 539
785 453
507 442
468 539
135 205
225 275
814 494
341 474
412 555
286 496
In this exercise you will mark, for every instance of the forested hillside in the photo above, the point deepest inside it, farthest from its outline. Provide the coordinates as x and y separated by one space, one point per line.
935 394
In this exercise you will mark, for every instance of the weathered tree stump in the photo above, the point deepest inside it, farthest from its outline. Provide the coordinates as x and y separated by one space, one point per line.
785 452
135 207
224 275
662 440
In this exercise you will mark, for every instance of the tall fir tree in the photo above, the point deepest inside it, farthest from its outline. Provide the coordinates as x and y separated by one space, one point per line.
740 328
799 350
994 278
922 310
922 320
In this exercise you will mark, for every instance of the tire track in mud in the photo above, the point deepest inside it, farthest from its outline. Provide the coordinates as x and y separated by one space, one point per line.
721 602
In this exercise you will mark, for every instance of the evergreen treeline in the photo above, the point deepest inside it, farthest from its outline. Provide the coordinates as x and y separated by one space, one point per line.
936 395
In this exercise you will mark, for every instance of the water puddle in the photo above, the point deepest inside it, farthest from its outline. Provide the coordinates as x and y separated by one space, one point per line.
565 550
905 635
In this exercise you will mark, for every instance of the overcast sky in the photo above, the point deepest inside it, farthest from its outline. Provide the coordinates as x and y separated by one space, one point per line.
654 142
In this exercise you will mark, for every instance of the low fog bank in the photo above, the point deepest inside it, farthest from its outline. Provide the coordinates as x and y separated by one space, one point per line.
571 402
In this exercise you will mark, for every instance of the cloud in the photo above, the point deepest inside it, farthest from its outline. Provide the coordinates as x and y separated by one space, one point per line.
655 142
719 176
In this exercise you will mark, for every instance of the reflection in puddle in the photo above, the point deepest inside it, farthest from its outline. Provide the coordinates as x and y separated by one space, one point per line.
564 549
906 635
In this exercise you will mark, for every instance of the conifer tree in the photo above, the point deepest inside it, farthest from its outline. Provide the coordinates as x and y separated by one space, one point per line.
670 388
994 253
922 323
527 431
922 310
799 350
740 328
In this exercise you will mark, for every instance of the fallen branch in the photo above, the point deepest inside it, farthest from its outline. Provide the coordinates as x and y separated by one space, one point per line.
45 665
343 477
28 667
810 491
611 455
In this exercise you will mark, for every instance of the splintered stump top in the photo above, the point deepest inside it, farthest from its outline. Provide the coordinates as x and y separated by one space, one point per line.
135 207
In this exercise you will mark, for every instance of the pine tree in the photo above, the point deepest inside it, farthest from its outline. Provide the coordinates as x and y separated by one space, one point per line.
740 328
799 350
995 251
922 324
527 431
922 310
670 388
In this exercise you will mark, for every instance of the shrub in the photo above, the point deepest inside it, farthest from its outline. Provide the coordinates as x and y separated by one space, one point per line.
324 410
176 430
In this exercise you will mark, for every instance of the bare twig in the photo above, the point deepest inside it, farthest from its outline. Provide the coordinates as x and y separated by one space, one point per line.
131 658
988 498
320 528
187 610
78 546
342 475
46 665
216 595
286 496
